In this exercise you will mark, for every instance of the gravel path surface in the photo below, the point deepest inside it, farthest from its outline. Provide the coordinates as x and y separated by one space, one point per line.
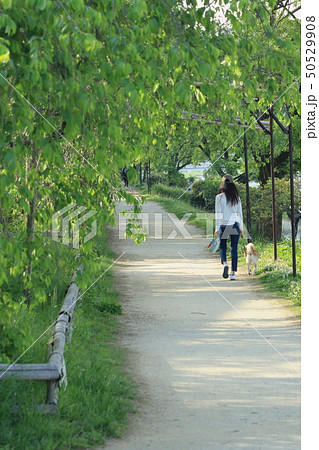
216 362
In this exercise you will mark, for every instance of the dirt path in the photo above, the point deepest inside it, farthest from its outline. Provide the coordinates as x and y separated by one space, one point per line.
216 363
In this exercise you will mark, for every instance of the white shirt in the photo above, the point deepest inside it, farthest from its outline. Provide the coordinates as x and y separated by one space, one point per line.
226 213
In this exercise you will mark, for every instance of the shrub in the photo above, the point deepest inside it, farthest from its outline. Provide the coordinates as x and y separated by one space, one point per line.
158 177
261 205
176 179
210 190
197 197
203 194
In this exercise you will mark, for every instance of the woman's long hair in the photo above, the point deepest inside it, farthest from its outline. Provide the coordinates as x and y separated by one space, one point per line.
230 190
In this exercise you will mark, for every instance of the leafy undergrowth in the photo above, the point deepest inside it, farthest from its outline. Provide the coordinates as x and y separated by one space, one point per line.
99 394
277 275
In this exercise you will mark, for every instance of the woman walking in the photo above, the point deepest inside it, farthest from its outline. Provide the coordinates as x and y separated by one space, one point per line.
229 222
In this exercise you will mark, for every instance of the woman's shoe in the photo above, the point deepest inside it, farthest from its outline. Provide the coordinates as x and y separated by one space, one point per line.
232 277
225 272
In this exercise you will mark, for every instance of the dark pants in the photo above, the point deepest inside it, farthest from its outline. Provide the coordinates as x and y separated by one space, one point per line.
234 232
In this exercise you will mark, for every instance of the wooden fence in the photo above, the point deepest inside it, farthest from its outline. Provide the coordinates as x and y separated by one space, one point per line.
54 371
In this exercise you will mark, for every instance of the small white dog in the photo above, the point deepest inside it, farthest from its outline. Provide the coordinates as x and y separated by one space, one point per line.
251 255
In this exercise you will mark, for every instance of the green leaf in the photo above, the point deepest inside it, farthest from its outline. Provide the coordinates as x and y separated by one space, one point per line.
181 89
10 160
200 97
7 4
41 4
174 56
204 68
114 131
4 54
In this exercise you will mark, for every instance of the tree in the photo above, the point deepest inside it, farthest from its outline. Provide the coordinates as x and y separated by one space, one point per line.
86 89
259 64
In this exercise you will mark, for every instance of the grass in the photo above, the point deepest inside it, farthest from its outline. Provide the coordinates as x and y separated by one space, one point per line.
99 393
275 276
179 208
278 276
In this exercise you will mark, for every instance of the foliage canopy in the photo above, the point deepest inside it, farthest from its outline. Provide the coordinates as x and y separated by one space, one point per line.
90 87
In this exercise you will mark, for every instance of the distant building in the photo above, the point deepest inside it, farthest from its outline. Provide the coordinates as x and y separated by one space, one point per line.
201 166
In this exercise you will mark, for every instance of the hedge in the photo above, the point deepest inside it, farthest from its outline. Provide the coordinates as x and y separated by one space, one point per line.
203 193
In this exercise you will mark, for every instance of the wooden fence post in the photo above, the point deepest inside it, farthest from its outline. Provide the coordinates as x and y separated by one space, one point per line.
53 372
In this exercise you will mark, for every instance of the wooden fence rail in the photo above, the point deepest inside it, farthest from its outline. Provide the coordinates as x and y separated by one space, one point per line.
53 372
